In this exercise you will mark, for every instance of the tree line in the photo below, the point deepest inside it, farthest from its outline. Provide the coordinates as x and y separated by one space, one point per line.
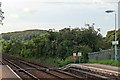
56 44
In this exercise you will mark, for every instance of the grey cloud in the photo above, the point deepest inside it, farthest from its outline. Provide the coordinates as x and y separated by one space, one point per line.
29 10
26 10
73 2
111 1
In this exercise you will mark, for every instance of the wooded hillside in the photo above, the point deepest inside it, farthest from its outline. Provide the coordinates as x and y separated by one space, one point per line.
56 44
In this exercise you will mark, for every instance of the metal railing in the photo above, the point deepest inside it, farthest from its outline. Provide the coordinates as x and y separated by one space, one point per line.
104 55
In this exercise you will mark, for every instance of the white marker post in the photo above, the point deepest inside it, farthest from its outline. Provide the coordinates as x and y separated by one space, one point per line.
74 57
79 54
115 43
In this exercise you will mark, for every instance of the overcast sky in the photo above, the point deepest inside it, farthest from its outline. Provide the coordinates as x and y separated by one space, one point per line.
58 14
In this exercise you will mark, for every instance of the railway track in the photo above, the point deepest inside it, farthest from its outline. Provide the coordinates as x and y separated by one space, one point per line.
39 71
27 70
91 75
1 63
22 71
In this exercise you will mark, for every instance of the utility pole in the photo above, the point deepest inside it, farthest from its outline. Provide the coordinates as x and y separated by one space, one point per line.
115 42
119 15
1 15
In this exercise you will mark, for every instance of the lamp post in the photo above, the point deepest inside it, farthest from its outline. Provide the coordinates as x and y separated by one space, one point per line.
114 42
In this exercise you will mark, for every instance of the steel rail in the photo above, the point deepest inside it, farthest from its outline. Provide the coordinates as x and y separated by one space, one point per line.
1 63
36 69
46 70
22 70
91 74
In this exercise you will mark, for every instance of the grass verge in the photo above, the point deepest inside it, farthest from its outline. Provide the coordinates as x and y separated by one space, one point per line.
106 62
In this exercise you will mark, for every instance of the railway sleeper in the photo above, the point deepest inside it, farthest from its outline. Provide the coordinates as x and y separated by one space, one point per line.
87 74
103 73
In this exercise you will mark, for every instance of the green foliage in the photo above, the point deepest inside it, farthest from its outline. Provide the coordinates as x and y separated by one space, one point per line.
51 44
107 62
23 35
111 37
118 37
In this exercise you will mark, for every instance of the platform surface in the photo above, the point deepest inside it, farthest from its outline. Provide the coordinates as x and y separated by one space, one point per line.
107 67
7 73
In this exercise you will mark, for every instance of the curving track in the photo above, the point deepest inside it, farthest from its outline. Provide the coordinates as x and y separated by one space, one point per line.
28 70
1 63
91 73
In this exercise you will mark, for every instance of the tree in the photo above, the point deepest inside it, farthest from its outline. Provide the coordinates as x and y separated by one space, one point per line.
91 38
54 44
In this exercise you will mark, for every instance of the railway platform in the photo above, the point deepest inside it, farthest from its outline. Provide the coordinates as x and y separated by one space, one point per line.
100 68
6 73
